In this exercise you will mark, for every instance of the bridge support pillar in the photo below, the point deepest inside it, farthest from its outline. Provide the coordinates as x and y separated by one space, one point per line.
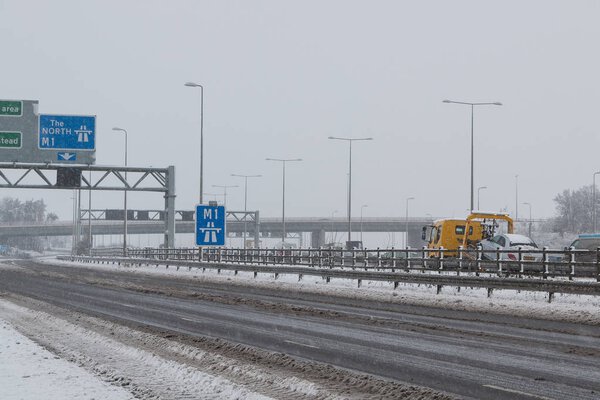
317 238
170 208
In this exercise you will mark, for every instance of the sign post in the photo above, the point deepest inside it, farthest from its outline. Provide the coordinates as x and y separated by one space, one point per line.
210 225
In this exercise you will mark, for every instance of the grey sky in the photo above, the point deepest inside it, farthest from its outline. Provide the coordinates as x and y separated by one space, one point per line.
282 76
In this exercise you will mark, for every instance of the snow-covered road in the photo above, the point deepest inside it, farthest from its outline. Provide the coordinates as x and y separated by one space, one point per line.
148 330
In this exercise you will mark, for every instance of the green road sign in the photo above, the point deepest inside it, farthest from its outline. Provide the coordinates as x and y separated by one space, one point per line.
10 140
11 108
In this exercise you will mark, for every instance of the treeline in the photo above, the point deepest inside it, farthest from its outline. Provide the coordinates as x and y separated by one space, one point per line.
575 210
15 211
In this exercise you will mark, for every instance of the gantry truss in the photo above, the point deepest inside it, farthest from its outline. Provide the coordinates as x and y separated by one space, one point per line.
96 177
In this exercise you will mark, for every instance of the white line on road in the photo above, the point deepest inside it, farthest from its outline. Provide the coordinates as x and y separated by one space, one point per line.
191 320
517 392
301 344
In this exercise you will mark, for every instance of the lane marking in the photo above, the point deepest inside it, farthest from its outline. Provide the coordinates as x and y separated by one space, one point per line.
129 305
517 392
191 319
301 344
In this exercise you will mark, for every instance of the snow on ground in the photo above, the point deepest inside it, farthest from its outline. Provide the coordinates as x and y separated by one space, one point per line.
564 307
152 366
29 371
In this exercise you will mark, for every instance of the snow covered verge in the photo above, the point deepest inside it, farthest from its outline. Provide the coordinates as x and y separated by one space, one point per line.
29 371
154 365
569 308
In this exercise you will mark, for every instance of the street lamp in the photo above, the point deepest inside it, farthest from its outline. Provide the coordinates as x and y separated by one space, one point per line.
478 190
225 187
594 199
283 161
530 220
117 129
349 140
196 85
497 103
516 197
332 229
246 201
406 227
361 223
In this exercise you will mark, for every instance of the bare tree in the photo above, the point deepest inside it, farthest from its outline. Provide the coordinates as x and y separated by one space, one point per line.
574 210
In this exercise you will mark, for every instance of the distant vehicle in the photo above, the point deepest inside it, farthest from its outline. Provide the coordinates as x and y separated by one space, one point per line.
509 241
587 241
333 246
354 245
450 233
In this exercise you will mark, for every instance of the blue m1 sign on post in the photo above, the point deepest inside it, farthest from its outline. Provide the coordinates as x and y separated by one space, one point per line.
210 225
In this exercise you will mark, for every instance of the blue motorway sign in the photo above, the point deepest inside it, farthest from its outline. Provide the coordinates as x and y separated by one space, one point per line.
210 225
67 132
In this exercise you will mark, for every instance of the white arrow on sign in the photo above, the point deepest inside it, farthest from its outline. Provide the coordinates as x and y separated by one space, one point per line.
66 156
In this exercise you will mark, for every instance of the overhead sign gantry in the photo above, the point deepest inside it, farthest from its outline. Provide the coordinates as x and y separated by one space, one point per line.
59 152
28 137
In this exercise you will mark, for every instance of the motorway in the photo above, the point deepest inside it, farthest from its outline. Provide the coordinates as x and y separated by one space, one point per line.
464 354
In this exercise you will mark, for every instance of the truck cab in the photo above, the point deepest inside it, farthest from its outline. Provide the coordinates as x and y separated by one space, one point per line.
450 234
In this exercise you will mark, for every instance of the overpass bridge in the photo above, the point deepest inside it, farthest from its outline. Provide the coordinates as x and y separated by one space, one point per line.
237 222
263 228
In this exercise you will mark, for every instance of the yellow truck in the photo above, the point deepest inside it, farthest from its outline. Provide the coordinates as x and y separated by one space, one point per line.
450 233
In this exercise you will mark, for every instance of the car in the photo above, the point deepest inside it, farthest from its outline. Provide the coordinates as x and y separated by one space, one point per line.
587 241
509 241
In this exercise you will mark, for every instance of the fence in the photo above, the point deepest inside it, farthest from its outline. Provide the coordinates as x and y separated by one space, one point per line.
569 263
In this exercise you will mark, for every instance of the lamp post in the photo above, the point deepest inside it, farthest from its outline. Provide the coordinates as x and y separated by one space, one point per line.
361 223
283 162
246 201
74 238
406 220
530 220
225 187
332 230
349 140
196 85
478 190
496 103
117 129
594 198
516 197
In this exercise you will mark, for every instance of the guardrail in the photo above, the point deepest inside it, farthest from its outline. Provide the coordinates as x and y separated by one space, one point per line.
545 263
439 279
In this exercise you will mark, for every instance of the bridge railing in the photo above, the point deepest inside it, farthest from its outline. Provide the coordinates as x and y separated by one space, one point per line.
544 263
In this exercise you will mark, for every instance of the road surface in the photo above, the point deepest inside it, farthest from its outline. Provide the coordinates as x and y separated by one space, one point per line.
464 354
